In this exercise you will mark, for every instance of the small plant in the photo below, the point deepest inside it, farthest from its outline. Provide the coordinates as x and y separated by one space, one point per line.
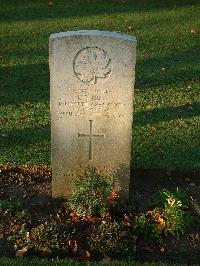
13 223
20 239
173 205
169 218
51 235
147 227
11 205
165 195
90 194
112 238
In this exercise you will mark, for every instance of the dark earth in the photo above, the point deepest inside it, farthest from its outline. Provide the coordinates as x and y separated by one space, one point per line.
32 187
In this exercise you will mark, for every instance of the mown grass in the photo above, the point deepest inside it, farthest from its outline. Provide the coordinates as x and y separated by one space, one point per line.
167 91
43 262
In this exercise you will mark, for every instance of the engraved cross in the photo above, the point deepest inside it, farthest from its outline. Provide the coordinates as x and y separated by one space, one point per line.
90 136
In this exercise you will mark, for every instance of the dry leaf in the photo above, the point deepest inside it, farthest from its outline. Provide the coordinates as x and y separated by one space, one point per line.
152 129
85 256
20 253
163 69
187 179
114 197
130 28
127 221
74 217
147 248
50 3
93 220
28 104
193 31
107 218
123 234
27 236
23 117
162 249
73 245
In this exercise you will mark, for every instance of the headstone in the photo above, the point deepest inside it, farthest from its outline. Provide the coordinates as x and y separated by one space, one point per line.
92 83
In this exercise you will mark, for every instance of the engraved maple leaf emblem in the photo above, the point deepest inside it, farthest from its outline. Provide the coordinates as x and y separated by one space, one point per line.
91 64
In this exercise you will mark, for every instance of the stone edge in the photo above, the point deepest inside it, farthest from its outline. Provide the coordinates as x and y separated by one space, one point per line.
93 33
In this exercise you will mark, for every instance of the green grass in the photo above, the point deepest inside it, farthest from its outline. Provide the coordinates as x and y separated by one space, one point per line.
43 262
167 91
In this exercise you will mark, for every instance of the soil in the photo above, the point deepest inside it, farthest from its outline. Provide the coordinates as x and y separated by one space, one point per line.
32 187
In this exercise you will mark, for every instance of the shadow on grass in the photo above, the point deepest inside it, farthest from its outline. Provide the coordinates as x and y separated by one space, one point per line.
166 114
22 145
30 83
179 147
166 145
32 10
24 83
168 69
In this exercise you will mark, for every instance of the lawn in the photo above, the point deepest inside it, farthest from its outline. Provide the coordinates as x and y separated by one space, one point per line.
11 262
167 93
166 111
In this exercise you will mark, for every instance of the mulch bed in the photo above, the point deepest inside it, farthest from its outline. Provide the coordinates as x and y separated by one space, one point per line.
32 187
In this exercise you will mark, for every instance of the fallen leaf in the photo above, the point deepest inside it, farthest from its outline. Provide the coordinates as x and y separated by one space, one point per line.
44 250
73 245
189 88
23 117
163 68
147 248
193 31
182 68
187 179
74 217
130 28
161 223
85 256
162 249
20 253
123 234
28 104
27 236
93 220
152 129
107 218
127 221
50 3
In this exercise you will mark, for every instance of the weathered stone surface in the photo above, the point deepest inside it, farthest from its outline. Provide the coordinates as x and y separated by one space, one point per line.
92 80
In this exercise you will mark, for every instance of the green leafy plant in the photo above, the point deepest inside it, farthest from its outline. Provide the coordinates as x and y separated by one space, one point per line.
112 238
50 235
174 204
20 239
169 217
12 205
90 194
165 195
14 221
146 227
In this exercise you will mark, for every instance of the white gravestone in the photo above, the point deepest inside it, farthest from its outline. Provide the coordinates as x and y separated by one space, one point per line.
92 83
